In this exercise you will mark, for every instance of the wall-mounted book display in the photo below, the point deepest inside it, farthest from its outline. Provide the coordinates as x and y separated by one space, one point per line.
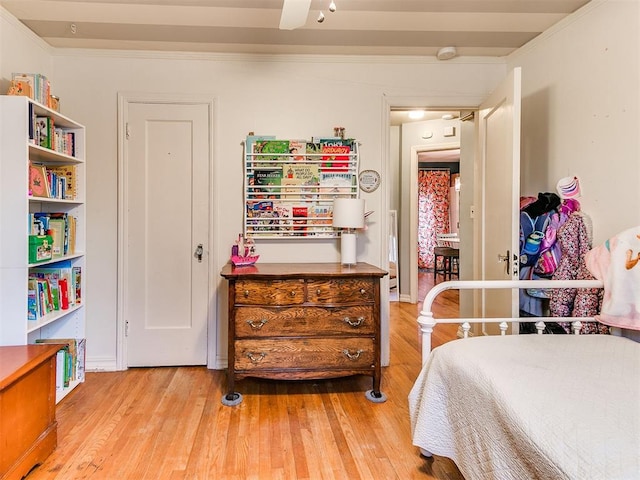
290 185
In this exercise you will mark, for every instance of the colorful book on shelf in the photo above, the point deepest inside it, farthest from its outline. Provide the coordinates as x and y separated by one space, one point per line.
271 147
77 284
60 225
72 234
284 213
28 79
52 286
38 182
252 139
299 214
44 132
63 270
267 182
335 158
313 149
297 149
300 180
320 215
74 361
69 173
40 86
81 348
57 227
334 141
64 141
262 216
335 185
32 299
63 219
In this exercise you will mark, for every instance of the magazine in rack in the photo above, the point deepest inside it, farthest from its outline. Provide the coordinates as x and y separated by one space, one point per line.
290 185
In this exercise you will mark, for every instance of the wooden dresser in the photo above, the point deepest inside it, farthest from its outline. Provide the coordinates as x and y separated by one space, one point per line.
28 428
303 321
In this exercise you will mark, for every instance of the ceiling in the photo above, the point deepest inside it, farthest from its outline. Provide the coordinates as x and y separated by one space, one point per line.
491 28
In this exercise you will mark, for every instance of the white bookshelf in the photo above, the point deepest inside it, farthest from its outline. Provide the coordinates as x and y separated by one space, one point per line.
16 151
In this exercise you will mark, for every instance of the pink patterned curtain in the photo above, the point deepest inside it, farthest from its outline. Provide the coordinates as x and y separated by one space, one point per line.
433 212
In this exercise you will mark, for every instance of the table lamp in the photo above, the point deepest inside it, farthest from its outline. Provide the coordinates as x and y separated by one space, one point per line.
348 214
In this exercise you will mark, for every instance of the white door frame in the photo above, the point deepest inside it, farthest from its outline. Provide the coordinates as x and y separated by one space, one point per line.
413 210
427 103
124 99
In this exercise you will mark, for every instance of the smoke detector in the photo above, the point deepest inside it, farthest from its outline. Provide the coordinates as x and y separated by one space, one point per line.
446 53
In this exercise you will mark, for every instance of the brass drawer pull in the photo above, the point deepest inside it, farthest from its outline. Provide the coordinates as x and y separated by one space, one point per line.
318 292
257 325
362 291
292 293
256 358
246 294
357 323
352 356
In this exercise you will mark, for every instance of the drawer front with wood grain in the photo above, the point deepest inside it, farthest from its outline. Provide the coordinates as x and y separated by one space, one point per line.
319 353
341 290
270 292
304 321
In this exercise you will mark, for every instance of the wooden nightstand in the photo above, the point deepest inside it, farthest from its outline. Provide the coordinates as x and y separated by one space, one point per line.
303 321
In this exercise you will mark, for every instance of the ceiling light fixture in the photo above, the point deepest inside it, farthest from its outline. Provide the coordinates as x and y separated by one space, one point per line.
332 8
447 116
446 53
416 114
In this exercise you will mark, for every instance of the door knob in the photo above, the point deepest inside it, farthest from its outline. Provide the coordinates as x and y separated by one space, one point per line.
198 253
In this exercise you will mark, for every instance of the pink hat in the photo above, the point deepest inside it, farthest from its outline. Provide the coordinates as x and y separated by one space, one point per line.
568 187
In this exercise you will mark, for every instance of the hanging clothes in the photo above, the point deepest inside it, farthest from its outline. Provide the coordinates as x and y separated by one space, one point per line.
574 242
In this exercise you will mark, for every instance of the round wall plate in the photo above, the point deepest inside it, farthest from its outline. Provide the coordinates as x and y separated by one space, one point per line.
369 180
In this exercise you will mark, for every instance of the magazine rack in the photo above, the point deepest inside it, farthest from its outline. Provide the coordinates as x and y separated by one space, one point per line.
290 185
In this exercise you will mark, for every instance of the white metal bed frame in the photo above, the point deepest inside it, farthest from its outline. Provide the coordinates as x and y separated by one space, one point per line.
427 321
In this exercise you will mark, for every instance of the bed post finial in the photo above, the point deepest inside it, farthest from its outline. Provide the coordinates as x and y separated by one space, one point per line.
426 322
576 327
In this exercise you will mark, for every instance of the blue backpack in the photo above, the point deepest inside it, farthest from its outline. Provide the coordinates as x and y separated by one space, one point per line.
531 235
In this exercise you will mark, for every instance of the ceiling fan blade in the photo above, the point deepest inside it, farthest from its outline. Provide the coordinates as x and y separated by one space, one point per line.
294 14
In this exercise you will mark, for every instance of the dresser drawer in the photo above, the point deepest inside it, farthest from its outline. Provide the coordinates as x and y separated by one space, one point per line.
318 353
304 321
341 290
269 292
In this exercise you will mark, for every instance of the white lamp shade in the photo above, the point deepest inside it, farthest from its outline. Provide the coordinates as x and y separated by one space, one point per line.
348 213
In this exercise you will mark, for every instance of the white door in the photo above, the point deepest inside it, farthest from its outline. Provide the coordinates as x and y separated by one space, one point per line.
166 231
499 142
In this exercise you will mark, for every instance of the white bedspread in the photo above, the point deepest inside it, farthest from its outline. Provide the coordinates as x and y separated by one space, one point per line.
532 407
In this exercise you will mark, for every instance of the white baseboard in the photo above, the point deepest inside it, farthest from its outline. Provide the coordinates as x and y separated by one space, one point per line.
97 364
405 298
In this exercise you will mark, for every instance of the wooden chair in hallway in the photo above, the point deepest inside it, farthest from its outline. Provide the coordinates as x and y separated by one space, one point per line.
449 256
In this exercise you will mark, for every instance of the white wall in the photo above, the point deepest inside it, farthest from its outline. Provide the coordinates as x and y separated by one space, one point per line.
581 108
290 97
21 51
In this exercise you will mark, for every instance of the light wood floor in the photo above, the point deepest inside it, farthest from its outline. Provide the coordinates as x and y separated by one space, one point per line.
168 423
